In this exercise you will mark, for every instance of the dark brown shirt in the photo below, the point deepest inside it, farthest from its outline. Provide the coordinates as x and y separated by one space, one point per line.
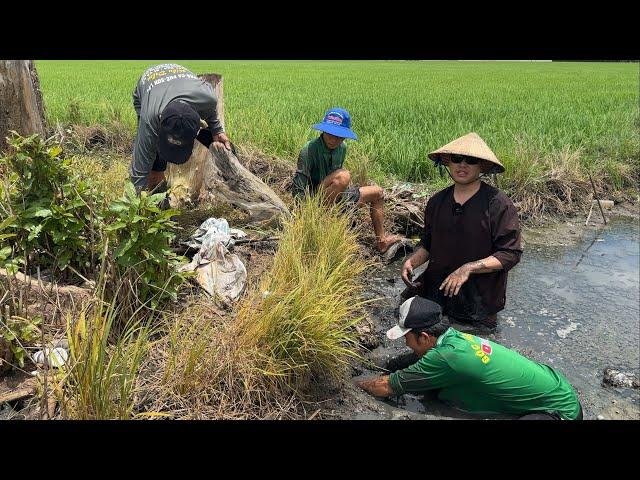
487 224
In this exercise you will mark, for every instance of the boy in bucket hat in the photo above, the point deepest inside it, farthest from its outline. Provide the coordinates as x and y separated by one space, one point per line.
174 108
320 165
471 238
472 373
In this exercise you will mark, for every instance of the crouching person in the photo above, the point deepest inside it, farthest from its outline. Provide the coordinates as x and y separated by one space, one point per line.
471 373
174 108
320 165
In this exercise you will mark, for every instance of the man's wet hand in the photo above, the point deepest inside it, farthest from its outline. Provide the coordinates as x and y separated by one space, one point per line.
376 386
455 280
222 138
407 275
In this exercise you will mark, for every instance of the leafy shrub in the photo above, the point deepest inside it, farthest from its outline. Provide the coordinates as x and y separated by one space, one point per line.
139 234
17 332
52 214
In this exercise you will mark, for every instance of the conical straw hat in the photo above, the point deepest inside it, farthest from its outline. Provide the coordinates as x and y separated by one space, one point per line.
473 146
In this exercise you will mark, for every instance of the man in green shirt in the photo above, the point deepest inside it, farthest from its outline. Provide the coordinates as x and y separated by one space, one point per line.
320 165
471 373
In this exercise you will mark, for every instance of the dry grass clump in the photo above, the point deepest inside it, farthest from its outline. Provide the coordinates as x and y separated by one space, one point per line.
198 371
302 320
546 185
296 327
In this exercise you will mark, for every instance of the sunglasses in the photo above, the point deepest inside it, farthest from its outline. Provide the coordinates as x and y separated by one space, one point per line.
454 158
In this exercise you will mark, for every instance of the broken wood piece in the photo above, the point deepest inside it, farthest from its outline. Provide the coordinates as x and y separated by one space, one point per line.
606 204
242 241
52 403
405 244
25 389
216 173
45 286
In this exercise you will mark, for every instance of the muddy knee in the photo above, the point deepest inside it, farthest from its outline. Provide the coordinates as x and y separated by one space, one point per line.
377 195
341 178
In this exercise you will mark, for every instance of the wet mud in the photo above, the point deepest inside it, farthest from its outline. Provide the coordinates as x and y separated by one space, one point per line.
572 303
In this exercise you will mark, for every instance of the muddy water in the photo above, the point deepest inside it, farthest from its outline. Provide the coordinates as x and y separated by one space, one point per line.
575 308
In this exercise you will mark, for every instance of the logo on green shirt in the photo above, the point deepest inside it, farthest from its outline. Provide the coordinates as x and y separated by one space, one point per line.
483 351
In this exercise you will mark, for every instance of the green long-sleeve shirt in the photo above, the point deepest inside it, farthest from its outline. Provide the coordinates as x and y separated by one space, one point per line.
481 376
315 163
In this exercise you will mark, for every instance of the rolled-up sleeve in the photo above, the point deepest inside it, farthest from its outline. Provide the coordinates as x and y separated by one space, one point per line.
210 115
505 231
144 155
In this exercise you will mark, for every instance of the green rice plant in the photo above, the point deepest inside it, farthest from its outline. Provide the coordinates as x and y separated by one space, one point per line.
301 321
102 376
401 110
73 114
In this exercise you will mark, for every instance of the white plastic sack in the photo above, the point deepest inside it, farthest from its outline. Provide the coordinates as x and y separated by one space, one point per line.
219 271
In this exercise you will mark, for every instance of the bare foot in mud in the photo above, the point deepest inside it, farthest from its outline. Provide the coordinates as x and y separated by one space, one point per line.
384 244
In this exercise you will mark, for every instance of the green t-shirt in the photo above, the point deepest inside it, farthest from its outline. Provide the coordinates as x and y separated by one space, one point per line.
316 162
481 376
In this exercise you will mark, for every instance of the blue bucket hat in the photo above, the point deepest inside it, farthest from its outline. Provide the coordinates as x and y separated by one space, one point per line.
337 121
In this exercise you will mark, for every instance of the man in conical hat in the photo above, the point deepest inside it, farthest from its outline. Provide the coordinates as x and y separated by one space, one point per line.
471 238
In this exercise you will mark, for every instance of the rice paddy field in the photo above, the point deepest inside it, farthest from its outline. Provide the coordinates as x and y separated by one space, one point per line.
401 110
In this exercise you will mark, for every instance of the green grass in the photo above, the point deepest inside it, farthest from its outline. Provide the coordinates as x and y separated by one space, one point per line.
401 110
102 378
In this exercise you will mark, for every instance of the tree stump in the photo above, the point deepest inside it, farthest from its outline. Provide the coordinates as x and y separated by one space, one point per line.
216 173
224 178
21 105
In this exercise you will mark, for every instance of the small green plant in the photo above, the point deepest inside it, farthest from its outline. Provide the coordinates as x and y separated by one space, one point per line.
73 111
139 233
19 332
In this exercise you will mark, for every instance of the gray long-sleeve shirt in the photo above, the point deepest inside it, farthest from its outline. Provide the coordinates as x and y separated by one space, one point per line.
157 87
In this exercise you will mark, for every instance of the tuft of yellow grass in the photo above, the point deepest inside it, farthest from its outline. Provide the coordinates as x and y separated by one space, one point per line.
102 379
297 326
302 318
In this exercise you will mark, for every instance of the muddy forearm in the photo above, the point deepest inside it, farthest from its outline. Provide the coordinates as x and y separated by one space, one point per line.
420 256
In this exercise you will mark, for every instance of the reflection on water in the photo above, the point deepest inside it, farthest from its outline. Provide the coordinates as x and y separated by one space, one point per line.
575 308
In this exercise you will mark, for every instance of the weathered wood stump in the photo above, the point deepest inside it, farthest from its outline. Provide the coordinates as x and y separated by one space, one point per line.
224 178
215 174
21 106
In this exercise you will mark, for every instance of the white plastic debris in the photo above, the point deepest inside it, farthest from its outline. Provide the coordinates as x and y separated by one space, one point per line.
56 357
219 272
